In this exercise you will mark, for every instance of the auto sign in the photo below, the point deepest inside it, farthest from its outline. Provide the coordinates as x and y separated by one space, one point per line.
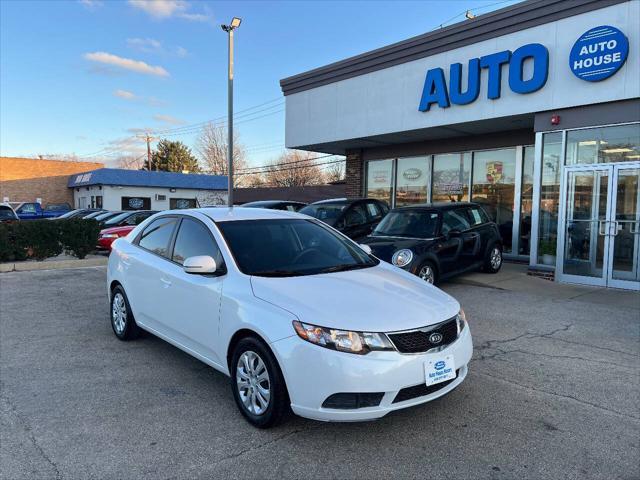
598 53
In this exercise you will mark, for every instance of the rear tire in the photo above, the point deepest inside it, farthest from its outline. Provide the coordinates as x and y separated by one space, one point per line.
427 271
258 384
493 259
122 321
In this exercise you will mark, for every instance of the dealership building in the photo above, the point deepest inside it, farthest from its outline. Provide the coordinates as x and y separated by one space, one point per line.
532 111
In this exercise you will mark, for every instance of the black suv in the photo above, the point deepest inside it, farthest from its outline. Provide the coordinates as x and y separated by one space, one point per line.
355 218
438 240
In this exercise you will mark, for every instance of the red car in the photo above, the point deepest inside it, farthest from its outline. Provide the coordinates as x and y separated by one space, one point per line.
108 235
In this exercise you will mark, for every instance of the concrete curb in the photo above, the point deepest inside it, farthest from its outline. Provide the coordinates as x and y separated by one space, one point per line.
54 265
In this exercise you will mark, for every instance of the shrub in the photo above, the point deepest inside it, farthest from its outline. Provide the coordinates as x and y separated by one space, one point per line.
78 237
39 238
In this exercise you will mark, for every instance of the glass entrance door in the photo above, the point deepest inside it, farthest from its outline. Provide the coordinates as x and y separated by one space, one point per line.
600 223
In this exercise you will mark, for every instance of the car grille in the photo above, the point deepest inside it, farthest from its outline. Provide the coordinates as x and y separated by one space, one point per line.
421 390
417 341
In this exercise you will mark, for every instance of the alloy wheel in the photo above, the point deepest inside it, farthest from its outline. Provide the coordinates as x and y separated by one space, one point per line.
496 258
427 274
119 313
253 383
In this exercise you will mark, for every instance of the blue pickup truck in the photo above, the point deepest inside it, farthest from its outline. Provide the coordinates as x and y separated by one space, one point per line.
33 210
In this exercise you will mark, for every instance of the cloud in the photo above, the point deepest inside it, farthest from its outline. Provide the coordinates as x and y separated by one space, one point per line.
125 94
151 45
163 9
126 63
91 3
168 119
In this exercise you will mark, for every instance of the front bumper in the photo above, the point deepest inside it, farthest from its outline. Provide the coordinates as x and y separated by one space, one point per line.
314 373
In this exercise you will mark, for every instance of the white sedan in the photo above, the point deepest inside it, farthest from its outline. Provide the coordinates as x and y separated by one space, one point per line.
299 316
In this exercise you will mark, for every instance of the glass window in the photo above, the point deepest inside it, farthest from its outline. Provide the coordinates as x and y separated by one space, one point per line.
408 223
327 212
379 180
455 220
477 216
526 201
291 247
373 211
137 218
604 144
549 197
136 203
27 208
180 203
194 239
411 185
355 216
451 177
157 235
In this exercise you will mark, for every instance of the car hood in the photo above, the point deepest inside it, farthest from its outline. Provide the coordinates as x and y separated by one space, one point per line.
120 230
378 299
385 247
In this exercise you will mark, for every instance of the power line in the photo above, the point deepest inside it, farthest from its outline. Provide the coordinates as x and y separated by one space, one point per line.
290 168
289 163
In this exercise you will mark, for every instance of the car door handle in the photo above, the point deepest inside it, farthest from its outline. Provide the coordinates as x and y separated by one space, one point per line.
165 282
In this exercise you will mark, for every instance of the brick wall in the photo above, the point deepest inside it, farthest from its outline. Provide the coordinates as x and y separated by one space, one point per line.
354 175
26 179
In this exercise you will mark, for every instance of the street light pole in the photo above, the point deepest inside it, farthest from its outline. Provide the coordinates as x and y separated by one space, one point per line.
235 23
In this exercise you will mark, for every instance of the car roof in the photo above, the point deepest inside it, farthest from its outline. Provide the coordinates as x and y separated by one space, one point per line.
269 202
224 214
334 200
437 206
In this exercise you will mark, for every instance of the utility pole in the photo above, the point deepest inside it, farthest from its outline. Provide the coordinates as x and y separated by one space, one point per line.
148 138
235 23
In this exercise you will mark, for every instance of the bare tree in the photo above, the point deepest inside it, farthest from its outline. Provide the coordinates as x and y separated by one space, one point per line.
211 147
334 172
131 162
294 169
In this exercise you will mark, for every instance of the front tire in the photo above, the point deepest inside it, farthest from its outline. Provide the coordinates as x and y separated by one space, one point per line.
258 385
493 259
122 321
428 272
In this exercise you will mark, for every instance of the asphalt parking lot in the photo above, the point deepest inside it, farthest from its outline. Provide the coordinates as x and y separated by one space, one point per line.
553 392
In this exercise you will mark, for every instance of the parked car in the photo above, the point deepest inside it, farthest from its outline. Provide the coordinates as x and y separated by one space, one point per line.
93 214
7 215
439 240
107 236
128 218
355 218
104 216
33 210
296 314
77 213
276 205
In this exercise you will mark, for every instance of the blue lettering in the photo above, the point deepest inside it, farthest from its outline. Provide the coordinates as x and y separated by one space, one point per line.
434 91
473 84
540 56
494 64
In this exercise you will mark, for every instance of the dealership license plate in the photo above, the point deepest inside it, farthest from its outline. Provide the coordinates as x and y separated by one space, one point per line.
439 369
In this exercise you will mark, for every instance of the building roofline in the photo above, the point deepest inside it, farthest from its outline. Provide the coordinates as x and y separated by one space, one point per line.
520 16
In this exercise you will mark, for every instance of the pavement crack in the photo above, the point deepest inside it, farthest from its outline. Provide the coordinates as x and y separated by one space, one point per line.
560 395
27 429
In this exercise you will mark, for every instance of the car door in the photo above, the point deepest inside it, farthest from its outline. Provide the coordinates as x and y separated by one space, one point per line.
374 214
145 268
191 313
355 223
456 246
480 222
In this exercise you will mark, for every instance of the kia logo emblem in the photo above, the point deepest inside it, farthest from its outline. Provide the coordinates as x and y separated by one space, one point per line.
435 337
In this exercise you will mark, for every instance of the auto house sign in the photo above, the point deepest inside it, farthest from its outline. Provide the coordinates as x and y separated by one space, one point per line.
412 174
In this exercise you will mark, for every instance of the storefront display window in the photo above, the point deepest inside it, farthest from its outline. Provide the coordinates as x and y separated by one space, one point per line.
526 201
493 187
549 197
380 180
413 177
603 145
451 174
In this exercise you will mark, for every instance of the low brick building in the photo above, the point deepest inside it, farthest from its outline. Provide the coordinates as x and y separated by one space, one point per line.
32 179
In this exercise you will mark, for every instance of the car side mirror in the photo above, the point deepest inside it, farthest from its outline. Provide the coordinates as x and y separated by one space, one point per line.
200 264
366 248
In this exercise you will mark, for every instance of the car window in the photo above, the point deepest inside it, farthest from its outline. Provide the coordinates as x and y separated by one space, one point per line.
327 212
373 211
156 236
6 213
476 217
408 223
454 220
194 239
355 216
137 218
27 208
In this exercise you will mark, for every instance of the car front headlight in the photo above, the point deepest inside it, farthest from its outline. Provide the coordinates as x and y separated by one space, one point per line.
402 258
461 320
359 343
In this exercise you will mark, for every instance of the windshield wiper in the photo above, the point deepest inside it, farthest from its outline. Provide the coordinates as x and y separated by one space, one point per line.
275 273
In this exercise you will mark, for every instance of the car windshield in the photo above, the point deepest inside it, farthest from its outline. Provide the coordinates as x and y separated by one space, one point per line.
327 212
408 223
72 213
118 218
106 215
6 213
291 247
